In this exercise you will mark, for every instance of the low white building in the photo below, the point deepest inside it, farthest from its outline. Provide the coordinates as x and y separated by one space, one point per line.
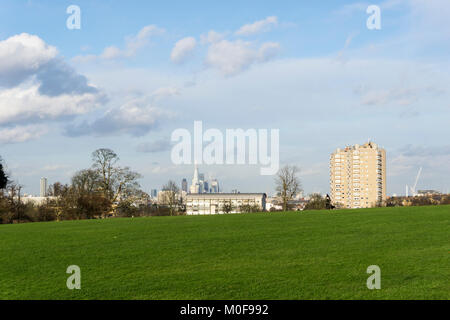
36 200
219 203
273 203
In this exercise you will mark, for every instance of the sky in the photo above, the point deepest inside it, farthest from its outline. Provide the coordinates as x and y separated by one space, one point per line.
135 71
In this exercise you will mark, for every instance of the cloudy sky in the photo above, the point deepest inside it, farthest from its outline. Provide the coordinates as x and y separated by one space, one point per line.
137 70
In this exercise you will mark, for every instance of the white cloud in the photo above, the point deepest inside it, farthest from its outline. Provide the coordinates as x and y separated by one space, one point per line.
21 56
232 57
111 53
268 51
154 146
398 96
165 92
132 45
211 37
37 85
135 117
183 48
21 104
257 26
21 133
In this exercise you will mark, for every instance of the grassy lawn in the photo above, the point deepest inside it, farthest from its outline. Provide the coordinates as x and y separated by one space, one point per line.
308 255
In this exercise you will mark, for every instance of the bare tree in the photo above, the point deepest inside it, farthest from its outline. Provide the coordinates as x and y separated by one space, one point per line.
104 163
86 181
56 189
287 184
114 181
124 182
170 196
14 196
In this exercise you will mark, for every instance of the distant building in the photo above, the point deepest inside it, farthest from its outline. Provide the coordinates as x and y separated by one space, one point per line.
36 200
43 187
358 176
196 186
214 188
200 185
184 185
165 197
220 203
273 203
154 193
428 192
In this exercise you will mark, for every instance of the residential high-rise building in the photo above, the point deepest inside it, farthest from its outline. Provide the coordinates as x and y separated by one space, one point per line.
43 187
184 185
358 176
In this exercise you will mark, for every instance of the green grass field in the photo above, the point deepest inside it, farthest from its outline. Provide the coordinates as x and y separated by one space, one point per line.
308 255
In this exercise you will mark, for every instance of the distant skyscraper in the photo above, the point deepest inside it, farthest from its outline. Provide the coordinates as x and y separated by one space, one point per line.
215 186
154 193
43 189
184 185
196 186
358 176
201 185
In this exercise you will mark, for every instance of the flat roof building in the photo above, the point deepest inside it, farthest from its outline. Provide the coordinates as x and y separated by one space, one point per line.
358 176
43 187
220 203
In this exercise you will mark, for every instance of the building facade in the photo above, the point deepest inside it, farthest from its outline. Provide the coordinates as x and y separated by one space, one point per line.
197 185
184 185
358 176
220 203
43 187
214 186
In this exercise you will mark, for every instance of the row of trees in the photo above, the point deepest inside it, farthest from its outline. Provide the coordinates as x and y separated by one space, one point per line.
104 189
288 185
417 201
108 189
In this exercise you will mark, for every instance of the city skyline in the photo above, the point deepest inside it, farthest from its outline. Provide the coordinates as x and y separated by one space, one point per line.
315 73
212 184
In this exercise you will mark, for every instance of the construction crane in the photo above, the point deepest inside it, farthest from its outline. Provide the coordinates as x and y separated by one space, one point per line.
413 189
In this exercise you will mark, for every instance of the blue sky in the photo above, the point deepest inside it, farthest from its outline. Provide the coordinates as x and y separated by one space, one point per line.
311 69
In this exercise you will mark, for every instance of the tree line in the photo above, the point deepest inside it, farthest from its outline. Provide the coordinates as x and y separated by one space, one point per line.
106 189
